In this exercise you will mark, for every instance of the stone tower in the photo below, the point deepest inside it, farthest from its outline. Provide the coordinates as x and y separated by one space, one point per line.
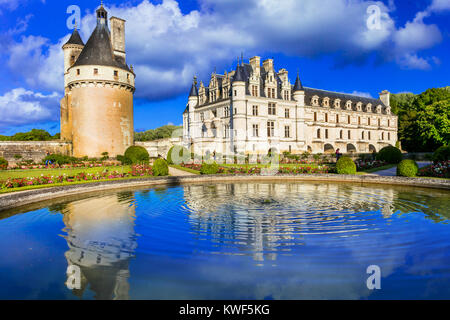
97 109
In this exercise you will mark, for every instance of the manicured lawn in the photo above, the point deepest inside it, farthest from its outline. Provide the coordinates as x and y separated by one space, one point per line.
185 169
9 190
5 174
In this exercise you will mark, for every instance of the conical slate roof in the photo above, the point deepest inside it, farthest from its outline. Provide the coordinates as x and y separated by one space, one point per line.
240 74
194 91
75 38
298 84
98 50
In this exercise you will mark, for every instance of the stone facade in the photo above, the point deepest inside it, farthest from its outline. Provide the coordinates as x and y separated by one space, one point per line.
254 109
97 109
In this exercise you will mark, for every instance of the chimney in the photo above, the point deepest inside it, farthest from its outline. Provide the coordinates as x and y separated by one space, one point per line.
268 65
118 37
255 62
385 98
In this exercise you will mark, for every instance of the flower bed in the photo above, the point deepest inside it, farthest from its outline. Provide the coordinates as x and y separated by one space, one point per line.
436 170
23 166
136 171
257 169
362 165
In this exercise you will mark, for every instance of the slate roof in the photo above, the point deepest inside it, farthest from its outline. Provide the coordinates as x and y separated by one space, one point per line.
244 72
75 38
98 50
310 92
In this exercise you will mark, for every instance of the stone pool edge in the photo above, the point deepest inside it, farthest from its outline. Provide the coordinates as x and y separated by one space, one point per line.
16 199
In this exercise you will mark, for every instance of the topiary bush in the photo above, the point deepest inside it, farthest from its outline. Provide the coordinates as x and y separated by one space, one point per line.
390 154
442 154
183 155
160 168
3 164
209 168
345 165
407 168
137 154
60 159
124 160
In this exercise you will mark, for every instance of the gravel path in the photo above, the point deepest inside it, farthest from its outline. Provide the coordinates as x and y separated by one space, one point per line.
392 172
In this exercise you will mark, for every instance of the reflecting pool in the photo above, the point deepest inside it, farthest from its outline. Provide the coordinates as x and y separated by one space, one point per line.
230 241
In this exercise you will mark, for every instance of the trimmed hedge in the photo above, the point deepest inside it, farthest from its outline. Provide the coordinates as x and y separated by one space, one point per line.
209 168
441 154
160 168
137 154
60 159
390 154
407 168
183 154
345 165
3 164
124 160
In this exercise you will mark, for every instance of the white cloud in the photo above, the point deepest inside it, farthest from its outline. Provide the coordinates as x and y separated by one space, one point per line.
167 47
20 106
361 94
440 5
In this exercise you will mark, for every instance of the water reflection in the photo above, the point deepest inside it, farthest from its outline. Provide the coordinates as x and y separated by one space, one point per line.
101 239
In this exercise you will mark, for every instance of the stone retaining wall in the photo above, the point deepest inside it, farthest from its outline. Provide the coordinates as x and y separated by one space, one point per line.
13 200
32 150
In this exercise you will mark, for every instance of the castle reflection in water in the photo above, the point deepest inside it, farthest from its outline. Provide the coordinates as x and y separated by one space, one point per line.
257 220
101 239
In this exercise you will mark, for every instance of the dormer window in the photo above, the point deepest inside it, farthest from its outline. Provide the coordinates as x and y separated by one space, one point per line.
315 101
78 72
337 103
326 102
378 109
388 110
359 106
369 107
348 105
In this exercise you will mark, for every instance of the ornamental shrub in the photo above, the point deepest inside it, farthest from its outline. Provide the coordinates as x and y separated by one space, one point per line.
3 164
345 165
209 168
124 160
183 155
59 159
137 154
442 154
390 154
160 168
407 168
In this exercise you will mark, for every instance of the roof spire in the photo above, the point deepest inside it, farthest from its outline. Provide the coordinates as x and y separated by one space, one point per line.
242 58
194 91
298 84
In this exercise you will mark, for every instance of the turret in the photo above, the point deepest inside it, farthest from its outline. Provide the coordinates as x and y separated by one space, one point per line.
102 16
299 92
72 49
193 96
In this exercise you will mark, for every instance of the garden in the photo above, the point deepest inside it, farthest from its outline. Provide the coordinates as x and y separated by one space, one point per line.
64 170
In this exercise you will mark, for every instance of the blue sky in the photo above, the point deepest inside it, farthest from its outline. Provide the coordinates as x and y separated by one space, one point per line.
169 41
